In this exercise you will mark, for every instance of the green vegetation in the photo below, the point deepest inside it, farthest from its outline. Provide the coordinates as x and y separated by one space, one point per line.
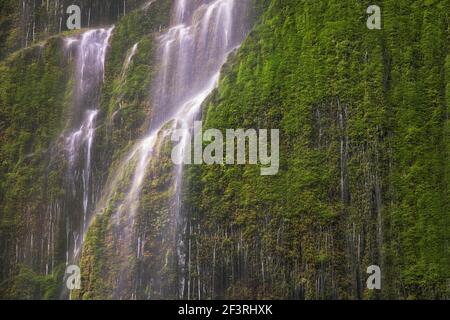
27 22
8 27
28 285
126 106
36 87
125 100
33 97
364 161
106 259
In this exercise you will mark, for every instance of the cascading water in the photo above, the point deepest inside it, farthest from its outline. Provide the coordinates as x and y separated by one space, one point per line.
75 142
90 51
190 55
192 52
128 59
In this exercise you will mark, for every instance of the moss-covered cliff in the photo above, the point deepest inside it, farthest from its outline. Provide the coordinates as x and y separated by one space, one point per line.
35 89
37 208
364 157
25 22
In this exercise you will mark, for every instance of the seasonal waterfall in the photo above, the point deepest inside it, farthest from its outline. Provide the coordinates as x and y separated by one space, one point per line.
110 188
189 57
90 52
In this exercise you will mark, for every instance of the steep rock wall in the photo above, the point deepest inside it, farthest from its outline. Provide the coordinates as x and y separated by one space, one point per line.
364 159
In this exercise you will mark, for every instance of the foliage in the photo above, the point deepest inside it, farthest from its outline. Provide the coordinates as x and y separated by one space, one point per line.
364 162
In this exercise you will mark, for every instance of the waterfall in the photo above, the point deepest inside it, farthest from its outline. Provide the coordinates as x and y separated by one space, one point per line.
128 59
75 141
90 51
190 54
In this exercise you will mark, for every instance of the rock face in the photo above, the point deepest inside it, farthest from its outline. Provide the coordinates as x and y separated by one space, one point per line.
143 222
25 22
86 175
364 157
81 123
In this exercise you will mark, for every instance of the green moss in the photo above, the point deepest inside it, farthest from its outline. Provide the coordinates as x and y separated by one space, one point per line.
33 86
102 263
364 171
29 285
362 157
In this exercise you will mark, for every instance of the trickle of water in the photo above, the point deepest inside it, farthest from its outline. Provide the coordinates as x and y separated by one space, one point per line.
91 64
144 151
83 138
190 53
180 10
90 51
128 59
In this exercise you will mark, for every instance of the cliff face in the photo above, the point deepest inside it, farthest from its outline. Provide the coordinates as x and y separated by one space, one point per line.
24 22
364 155
34 87
364 158
43 185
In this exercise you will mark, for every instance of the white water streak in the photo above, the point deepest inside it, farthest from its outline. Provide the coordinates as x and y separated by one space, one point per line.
190 53
90 61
